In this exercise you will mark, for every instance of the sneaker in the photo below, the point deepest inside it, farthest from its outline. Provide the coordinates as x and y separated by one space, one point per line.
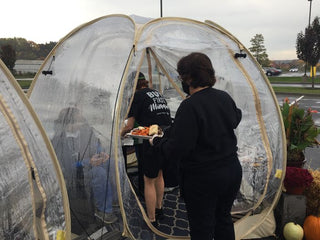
159 214
106 217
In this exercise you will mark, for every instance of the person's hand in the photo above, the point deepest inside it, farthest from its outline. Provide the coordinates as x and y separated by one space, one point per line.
99 158
153 137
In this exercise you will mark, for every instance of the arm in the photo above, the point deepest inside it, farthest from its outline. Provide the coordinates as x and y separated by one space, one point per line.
182 140
128 126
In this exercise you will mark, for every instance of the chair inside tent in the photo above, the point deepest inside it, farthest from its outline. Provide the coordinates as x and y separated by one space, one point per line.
34 203
82 95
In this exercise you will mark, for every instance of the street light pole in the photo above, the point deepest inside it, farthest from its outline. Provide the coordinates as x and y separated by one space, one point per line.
305 67
161 8
310 11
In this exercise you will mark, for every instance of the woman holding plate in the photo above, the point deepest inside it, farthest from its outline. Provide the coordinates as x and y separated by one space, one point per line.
148 108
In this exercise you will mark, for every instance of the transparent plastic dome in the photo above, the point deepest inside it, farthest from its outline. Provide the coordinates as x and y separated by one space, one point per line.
90 72
34 203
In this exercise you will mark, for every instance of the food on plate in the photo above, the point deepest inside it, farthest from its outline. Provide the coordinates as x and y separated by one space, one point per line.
147 131
143 131
154 129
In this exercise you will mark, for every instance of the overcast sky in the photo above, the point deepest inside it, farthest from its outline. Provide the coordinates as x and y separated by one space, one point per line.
279 21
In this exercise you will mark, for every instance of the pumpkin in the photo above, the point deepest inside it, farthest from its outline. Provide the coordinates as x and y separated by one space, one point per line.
311 227
292 231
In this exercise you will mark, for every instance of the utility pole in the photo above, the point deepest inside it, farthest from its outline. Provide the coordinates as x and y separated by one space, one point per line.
305 69
310 11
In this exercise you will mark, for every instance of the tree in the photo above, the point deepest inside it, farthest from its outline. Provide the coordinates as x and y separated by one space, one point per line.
8 56
308 45
28 49
45 49
259 51
301 49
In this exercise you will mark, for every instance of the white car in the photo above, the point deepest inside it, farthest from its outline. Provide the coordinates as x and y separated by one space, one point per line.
293 70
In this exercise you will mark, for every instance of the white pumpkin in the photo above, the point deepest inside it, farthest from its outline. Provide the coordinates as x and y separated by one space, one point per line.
293 231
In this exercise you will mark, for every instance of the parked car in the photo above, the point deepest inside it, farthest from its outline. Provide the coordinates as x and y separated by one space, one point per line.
270 71
293 70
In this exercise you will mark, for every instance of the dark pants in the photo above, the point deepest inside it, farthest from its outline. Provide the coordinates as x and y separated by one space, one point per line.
171 175
209 197
124 151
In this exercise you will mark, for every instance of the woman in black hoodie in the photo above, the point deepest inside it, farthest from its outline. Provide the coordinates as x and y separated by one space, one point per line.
204 143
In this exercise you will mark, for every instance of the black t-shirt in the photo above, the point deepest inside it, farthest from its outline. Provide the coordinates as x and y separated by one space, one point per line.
149 107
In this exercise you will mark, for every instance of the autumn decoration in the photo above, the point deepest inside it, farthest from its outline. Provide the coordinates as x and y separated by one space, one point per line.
297 180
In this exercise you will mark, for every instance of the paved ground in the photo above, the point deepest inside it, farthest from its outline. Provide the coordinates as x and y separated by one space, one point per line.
312 154
296 74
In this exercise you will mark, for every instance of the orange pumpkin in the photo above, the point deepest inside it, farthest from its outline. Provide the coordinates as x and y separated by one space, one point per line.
311 227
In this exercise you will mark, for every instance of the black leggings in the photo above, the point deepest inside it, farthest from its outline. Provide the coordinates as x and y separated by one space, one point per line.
209 197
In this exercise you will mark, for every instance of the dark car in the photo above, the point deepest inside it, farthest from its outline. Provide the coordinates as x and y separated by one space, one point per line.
270 71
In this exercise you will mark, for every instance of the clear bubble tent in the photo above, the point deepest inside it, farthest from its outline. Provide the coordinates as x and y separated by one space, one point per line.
88 77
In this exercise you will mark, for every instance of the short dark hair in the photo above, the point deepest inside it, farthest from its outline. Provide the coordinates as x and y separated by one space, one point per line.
197 67
142 82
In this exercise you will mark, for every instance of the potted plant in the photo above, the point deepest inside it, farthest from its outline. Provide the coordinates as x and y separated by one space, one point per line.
297 180
300 130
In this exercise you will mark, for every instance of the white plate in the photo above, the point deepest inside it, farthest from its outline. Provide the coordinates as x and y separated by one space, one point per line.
138 136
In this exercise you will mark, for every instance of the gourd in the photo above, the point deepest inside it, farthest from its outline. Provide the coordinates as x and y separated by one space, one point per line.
311 227
292 231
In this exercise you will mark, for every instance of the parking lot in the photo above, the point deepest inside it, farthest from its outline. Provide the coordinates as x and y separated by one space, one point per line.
312 154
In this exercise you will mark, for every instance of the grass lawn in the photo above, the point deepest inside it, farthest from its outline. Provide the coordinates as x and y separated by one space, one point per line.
24 84
300 80
295 80
24 75
297 90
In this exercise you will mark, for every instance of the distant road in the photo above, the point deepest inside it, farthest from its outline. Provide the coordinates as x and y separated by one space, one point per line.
24 79
305 102
295 74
